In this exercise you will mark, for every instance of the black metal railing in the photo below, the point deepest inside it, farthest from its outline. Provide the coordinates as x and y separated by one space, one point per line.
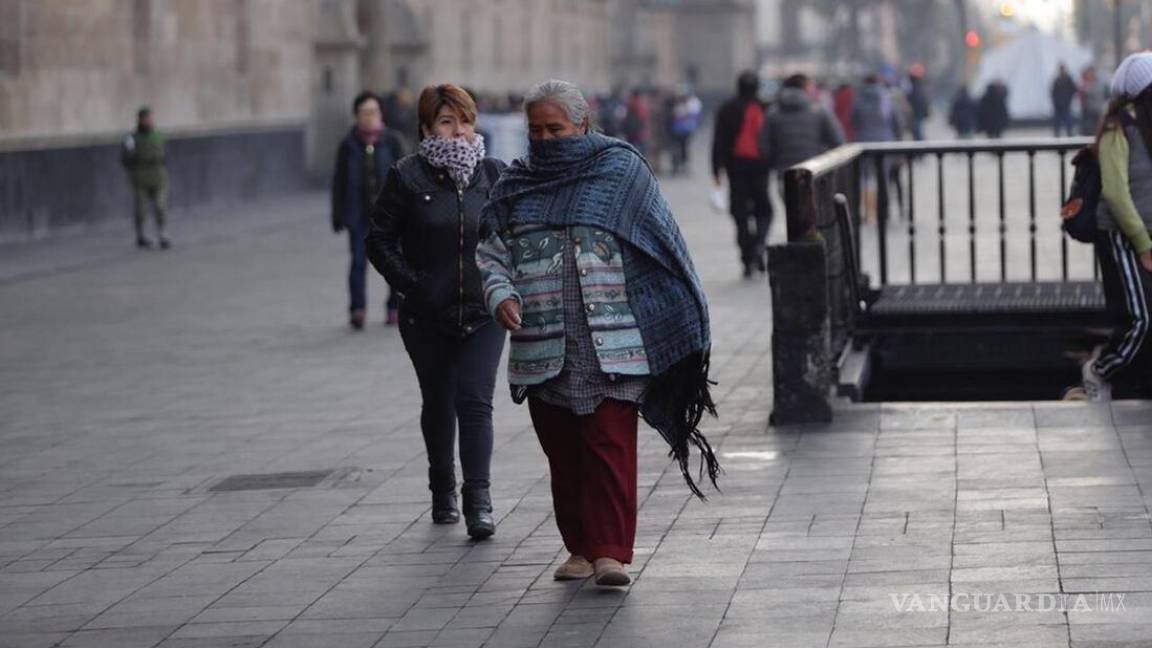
898 243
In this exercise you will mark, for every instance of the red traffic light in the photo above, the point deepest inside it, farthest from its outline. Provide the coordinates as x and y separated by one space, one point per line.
972 39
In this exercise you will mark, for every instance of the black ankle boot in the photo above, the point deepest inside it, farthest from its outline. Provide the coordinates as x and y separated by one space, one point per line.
478 513
444 509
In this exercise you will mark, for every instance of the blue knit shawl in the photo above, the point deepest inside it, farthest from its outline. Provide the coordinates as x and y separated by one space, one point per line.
602 182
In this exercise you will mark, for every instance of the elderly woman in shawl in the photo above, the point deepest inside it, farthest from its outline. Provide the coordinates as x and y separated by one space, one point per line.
582 261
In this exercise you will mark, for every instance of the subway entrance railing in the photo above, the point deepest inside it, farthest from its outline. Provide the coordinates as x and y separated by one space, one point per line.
930 271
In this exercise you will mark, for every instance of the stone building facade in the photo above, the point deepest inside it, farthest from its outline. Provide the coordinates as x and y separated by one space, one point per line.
228 81
501 46
82 68
255 94
715 40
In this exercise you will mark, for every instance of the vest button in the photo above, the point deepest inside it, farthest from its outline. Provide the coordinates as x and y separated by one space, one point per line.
583 272
427 197
611 377
591 307
599 341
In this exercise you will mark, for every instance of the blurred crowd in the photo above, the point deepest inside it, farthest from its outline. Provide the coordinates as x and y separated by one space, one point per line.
659 122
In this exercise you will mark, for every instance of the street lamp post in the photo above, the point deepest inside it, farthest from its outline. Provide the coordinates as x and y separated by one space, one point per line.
963 42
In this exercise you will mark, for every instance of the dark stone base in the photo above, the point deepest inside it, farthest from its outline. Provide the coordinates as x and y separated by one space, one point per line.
801 356
53 188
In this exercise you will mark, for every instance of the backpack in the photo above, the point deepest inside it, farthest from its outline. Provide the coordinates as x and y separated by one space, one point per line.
1079 210
747 145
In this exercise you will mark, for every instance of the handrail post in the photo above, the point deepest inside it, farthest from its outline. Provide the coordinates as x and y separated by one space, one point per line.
882 214
799 204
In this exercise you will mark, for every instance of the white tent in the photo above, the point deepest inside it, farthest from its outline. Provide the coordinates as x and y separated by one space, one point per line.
1027 65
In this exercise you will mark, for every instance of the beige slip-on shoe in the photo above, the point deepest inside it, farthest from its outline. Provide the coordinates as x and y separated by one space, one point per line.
575 568
610 573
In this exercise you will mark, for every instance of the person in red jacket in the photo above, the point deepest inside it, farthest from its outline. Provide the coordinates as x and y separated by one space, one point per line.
736 151
842 103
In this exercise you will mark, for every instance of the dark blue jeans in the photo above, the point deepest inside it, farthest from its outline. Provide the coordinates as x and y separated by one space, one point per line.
1062 124
457 379
358 270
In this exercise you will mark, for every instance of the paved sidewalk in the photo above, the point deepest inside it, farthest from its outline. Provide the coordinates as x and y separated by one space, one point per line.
130 388
110 241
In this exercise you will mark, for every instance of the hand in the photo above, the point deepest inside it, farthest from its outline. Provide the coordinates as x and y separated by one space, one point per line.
508 314
1146 260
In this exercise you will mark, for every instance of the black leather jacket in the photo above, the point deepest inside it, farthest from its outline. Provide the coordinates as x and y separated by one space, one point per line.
422 237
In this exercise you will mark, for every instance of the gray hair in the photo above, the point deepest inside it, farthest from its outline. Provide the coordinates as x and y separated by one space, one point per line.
562 94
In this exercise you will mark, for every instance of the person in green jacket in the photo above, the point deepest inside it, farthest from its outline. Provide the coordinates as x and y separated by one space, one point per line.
1124 243
142 154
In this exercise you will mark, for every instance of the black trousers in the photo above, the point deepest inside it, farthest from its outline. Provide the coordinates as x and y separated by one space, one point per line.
750 208
457 379
1128 291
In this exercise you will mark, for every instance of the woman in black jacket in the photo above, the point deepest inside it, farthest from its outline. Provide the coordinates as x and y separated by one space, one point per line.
422 238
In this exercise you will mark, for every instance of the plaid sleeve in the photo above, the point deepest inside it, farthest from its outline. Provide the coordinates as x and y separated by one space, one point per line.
495 264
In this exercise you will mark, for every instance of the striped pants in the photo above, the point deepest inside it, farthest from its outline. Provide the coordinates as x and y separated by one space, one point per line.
1128 288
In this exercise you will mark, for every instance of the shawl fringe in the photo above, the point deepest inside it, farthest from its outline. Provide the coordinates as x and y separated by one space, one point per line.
674 404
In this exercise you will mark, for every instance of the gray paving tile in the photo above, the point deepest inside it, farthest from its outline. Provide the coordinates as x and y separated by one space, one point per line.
116 620
424 619
754 638
136 637
1002 554
49 618
854 637
99 586
327 640
516 637
991 631
1066 415
229 629
214 642
462 638
407 639
243 614
573 637
19 588
32 640
1113 634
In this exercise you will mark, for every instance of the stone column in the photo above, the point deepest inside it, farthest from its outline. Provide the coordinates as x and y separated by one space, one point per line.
336 80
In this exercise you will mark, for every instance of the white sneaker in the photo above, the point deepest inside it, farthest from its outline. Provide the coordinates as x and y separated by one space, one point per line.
1074 394
1095 387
